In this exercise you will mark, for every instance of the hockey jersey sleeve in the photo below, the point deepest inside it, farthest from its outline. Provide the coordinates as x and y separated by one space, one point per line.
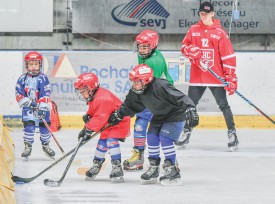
21 97
228 57
179 99
44 93
131 105
187 41
102 110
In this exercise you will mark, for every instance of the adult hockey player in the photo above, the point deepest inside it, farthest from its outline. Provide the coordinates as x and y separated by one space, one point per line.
206 42
101 103
170 109
33 92
146 45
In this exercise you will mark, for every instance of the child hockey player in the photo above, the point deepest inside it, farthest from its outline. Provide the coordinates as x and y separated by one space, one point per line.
146 45
170 109
101 103
33 94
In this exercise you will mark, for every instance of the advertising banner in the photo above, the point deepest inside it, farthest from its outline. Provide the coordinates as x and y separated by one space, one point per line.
112 69
166 16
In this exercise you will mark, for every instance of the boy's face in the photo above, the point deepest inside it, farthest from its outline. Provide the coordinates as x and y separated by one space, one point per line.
84 92
138 85
207 18
33 66
144 49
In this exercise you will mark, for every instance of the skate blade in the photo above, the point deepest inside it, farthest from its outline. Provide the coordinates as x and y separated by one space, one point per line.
173 182
117 179
25 159
50 157
181 147
233 149
151 181
133 168
90 178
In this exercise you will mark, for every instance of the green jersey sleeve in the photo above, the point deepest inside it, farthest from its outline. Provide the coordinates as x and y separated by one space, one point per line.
157 62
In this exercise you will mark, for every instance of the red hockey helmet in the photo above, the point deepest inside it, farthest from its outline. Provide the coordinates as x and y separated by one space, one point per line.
33 56
149 39
86 86
141 76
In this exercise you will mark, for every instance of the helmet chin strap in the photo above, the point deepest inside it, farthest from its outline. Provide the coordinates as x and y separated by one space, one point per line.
34 73
139 91
91 96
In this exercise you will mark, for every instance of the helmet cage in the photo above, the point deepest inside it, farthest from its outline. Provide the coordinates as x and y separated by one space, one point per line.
144 55
142 74
86 82
33 57
147 38
91 93
139 91
33 73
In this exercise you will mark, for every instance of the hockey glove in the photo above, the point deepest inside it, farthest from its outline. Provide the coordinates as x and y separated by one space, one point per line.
193 53
41 114
232 83
31 104
192 117
115 118
86 118
85 134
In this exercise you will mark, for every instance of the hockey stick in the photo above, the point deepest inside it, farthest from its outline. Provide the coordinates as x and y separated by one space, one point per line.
21 180
8 128
52 183
237 92
49 129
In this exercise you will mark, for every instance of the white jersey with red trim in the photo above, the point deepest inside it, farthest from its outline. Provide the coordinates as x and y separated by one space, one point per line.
216 49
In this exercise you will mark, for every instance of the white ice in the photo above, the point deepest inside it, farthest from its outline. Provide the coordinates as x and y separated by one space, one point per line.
210 173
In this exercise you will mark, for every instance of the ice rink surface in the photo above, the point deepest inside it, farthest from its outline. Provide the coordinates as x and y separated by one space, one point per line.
210 173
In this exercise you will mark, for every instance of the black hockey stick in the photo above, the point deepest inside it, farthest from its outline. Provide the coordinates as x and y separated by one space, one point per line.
237 92
21 180
52 183
49 129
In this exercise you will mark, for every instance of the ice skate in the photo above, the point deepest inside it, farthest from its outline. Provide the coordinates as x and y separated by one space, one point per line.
116 174
94 170
172 175
48 151
151 175
233 140
184 138
136 161
27 151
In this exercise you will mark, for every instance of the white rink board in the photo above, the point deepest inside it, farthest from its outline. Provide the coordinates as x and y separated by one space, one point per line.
255 72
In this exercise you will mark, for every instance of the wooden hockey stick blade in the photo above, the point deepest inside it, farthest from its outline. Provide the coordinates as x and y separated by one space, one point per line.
82 170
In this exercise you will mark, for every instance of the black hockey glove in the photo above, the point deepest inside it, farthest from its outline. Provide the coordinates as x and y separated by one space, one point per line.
85 134
192 117
86 118
41 114
115 118
31 104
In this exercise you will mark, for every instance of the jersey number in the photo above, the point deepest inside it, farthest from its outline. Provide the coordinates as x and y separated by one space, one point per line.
204 42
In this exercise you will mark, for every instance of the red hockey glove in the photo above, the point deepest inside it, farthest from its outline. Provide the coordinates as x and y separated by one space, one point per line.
232 83
193 53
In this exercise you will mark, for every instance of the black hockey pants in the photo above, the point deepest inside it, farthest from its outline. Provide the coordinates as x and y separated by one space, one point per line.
196 92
